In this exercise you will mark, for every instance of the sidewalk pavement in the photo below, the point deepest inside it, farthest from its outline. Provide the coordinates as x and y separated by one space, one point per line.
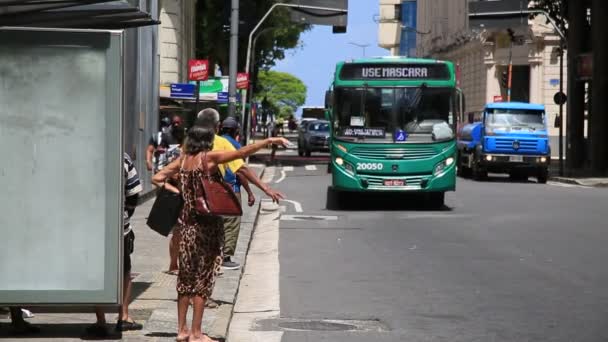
154 295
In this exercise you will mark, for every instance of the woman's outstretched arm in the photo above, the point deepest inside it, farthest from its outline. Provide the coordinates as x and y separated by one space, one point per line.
222 157
166 173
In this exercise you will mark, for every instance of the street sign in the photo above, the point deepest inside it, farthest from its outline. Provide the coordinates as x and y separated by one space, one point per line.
498 98
223 97
182 90
242 80
560 98
198 70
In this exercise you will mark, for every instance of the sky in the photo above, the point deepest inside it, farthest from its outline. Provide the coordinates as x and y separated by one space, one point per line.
315 60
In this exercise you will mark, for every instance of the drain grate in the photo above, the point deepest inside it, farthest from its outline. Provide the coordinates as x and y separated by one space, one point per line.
328 325
316 326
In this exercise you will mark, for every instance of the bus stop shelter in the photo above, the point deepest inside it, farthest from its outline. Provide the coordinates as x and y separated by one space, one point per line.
63 96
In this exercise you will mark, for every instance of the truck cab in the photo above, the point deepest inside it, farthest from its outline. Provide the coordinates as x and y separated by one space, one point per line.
510 138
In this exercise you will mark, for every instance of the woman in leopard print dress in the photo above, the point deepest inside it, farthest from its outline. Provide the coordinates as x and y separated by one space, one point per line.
202 237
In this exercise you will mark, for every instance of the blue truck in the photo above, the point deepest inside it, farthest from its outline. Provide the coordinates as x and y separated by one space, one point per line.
509 137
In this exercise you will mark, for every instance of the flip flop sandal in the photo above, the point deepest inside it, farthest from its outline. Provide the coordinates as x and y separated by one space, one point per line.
173 273
128 326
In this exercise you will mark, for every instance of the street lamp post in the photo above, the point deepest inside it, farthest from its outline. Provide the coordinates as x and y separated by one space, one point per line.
362 46
252 33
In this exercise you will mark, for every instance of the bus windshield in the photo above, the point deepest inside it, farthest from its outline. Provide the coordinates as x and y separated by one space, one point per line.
515 119
424 113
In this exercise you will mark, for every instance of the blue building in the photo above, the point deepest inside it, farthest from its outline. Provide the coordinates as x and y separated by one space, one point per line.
407 46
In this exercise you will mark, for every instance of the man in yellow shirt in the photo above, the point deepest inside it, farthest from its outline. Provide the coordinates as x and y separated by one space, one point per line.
210 117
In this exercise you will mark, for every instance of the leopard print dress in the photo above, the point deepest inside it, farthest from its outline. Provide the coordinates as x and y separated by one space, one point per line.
202 241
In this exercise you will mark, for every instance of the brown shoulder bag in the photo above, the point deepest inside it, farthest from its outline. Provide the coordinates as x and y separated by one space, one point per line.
217 197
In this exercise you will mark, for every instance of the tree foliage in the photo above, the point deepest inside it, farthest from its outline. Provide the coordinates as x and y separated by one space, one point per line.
283 91
557 9
213 34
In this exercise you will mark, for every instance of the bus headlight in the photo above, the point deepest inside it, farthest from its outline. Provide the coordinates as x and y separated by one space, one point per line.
543 159
339 161
489 158
439 168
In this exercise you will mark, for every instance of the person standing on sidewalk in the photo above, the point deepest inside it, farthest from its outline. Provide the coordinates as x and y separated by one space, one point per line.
131 196
202 237
156 153
232 225
210 117
178 134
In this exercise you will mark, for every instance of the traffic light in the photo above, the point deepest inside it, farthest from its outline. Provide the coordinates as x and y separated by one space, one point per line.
504 79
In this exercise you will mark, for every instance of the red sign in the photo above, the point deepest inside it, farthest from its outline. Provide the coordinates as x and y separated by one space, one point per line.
198 69
498 98
242 80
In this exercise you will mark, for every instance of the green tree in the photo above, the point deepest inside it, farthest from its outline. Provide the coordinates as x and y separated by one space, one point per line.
284 92
557 9
213 36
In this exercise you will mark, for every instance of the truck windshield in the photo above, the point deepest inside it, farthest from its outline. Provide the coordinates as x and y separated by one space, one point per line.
424 113
515 119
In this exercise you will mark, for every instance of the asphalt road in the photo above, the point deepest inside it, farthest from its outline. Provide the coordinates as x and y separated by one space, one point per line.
503 262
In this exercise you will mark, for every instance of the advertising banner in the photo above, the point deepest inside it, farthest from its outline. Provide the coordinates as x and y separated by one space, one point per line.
198 70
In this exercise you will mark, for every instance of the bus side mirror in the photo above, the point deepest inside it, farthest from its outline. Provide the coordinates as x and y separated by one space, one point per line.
329 99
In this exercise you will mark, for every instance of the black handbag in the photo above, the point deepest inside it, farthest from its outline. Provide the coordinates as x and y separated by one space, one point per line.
165 211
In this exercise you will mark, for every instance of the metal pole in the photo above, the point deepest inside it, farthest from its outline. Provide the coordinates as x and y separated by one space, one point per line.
250 41
510 76
234 50
198 96
561 111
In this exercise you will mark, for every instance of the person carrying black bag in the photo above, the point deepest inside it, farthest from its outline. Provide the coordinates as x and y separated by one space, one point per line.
201 229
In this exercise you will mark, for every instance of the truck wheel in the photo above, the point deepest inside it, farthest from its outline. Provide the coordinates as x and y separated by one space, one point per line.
300 150
333 199
308 153
436 200
543 176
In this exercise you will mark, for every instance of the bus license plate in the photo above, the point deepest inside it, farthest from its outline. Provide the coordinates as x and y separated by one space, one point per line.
394 182
517 159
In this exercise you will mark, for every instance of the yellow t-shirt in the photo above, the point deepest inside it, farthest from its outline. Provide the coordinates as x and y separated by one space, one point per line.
222 144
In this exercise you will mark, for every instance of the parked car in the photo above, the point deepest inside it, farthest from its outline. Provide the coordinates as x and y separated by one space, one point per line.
313 136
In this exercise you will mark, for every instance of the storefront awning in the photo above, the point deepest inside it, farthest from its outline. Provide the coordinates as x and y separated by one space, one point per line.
83 14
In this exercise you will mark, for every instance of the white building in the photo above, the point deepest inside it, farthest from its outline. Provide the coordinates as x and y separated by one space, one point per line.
444 32
176 39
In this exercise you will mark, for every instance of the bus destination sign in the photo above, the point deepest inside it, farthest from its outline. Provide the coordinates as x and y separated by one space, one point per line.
363 132
395 71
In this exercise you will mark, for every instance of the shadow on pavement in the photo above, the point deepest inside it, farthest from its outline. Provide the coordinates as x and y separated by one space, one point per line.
59 331
504 179
386 202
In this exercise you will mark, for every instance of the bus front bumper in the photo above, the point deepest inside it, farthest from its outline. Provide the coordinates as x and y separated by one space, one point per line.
344 180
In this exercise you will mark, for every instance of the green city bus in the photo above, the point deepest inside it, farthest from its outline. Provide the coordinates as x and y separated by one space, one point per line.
393 127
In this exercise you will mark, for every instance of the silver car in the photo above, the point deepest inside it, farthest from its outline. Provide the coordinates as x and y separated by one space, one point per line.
313 136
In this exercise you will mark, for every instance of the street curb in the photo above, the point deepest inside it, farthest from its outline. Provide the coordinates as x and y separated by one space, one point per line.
228 288
577 182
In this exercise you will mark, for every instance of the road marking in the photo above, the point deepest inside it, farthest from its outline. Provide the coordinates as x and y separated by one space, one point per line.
284 174
308 218
311 168
296 205
282 178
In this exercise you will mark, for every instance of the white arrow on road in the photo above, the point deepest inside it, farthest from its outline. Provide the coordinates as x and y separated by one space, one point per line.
284 174
296 205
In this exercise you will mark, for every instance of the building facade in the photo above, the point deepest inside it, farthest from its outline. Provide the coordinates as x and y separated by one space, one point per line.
176 39
482 54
